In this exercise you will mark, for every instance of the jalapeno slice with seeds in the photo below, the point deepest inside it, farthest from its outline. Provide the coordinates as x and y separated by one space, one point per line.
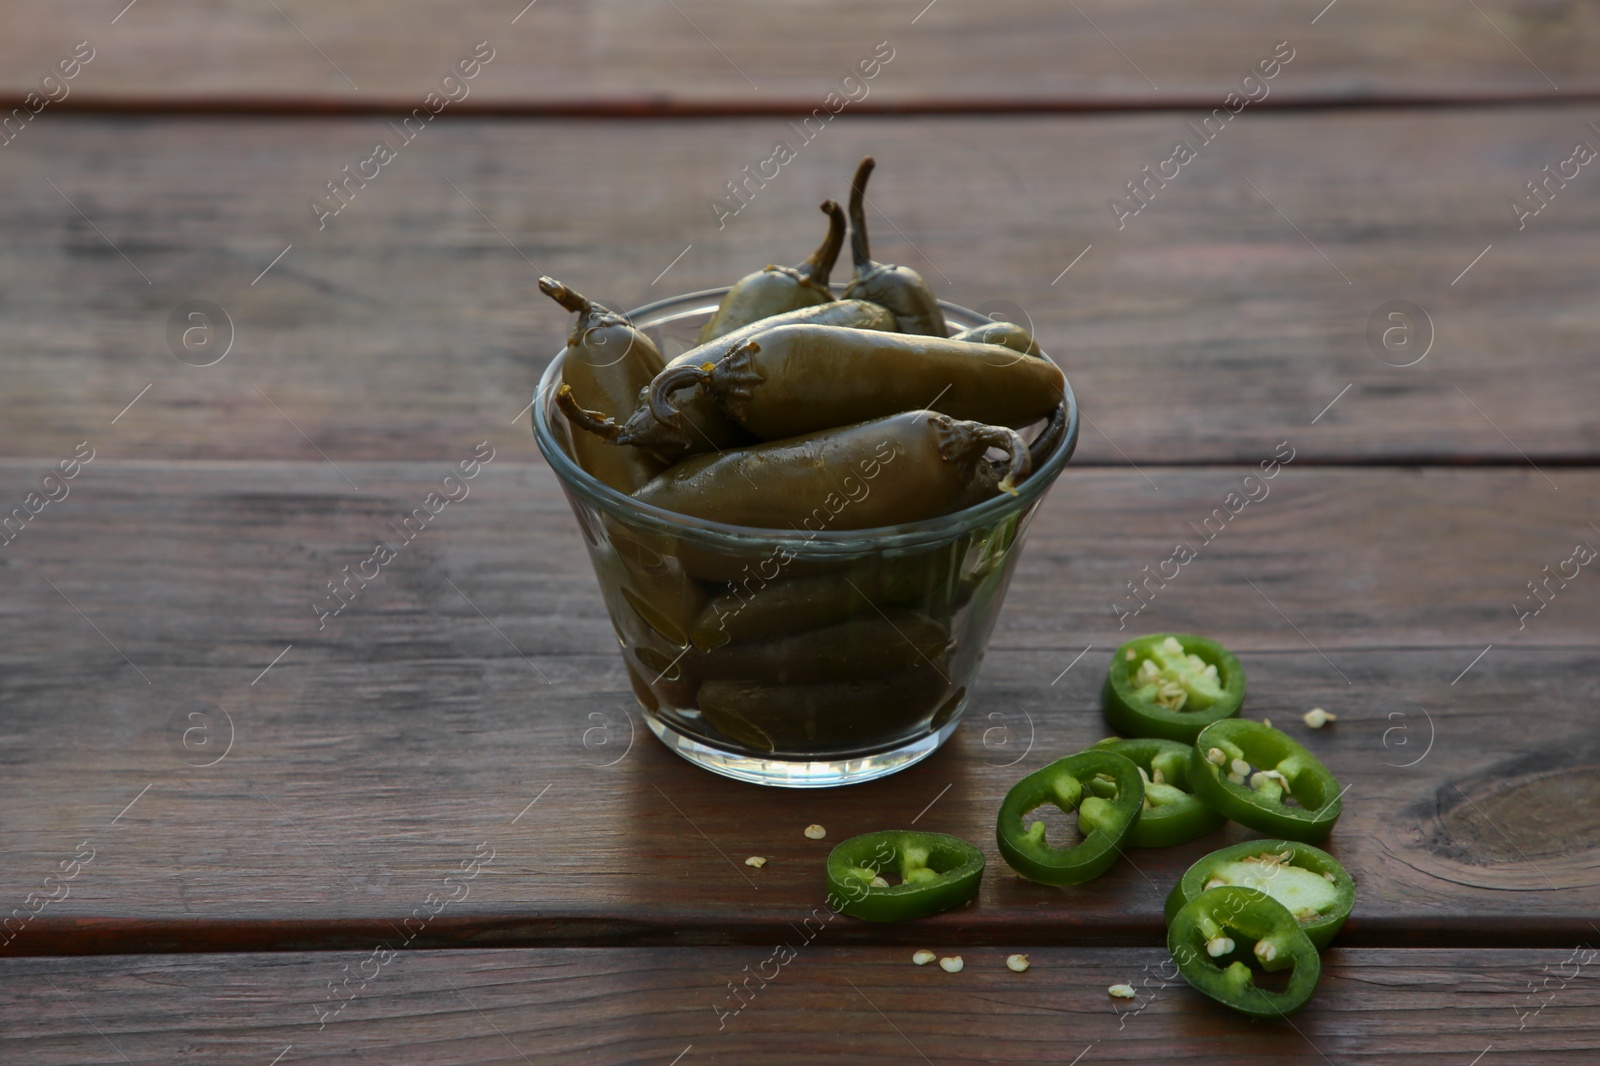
1310 883
1171 685
936 872
1259 777
1104 789
1172 814
1212 937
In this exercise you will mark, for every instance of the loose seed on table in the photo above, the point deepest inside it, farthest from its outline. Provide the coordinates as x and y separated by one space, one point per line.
951 964
923 957
815 832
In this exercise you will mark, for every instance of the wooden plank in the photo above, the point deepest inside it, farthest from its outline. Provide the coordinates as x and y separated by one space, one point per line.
824 1003
1207 329
658 54
339 776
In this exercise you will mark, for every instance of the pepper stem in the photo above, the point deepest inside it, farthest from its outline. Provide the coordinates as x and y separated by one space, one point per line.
669 381
564 296
859 248
590 421
1019 464
819 264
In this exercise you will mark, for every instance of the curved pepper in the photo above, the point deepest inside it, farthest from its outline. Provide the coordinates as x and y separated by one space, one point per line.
1171 685
1245 770
855 650
830 717
1214 962
756 609
936 872
899 288
1309 882
1006 334
780 288
790 380
698 424
1102 787
607 363
824 481
1172 815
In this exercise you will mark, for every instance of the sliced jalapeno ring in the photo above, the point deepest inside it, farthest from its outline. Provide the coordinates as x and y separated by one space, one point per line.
1171 685
936 872
1309 882
1259 777
1104 789
1212 937
1172 814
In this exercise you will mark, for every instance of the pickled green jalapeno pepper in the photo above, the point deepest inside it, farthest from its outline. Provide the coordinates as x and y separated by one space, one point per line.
1204 938
827 716
1171 686
699 424
1006 334
655 585
790 380
607 363
820 480
854 650
1249 772
1308 881
899 288
1050 436
1172 814
936 872
1102 787
762 606
775 289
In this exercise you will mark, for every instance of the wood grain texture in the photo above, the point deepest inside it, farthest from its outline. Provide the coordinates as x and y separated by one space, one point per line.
655 54
660 1006
324 799
1203 331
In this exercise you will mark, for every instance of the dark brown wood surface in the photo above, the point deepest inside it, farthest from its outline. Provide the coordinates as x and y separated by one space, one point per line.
661 54
376 754
412 321
855 1005
190 767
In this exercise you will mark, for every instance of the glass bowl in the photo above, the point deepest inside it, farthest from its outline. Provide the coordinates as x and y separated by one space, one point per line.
789 657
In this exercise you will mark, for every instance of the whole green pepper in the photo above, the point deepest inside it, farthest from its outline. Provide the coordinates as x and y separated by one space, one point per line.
1214 963
776 289
607 363
899 288
1312 884
805 483
1049 437
832 717
1006 334
652 582
790 380
771 605
855 650
698 424
1246 771
1172 815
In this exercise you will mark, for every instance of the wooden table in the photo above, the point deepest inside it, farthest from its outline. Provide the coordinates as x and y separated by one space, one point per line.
227 831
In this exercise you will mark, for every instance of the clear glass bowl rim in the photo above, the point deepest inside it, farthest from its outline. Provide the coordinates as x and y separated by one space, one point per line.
907 536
